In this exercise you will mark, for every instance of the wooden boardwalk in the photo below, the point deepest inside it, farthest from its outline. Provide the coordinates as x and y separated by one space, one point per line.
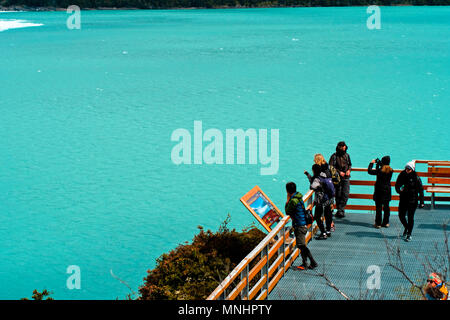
354 247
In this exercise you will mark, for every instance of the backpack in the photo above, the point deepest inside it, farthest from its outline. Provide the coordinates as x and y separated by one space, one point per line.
308 216
328 187
308 213
335 177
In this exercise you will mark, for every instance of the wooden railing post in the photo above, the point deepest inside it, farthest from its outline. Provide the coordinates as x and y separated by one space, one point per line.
245 291
432 185
265 269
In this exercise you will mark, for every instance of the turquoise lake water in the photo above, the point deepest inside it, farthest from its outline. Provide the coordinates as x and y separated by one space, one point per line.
86 175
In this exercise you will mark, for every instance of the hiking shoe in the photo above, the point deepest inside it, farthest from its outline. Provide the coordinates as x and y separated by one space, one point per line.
340 215
328 234
408 238
332 227
313 265
385 225
302 267
377 226
404 233
323 236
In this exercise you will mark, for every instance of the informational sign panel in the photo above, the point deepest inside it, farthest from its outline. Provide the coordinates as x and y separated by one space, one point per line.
257 202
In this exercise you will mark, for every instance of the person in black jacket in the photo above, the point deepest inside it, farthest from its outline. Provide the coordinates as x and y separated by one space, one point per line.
341 161
410 188
322 201
382 193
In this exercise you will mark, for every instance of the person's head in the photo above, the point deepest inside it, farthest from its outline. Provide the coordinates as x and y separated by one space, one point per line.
385 161
316 169
433 285
341 146
434 279
410 167
319 159
291 187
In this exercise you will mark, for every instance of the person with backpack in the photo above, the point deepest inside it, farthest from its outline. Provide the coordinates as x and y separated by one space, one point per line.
332 173
410 188
341 161
324 193
295 208
382 194
329 170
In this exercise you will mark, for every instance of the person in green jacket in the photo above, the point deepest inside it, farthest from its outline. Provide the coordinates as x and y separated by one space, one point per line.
295 208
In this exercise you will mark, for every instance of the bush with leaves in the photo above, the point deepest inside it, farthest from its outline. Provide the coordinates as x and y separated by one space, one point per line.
40 295
193 271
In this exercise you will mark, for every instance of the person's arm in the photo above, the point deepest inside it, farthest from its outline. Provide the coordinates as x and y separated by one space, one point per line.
370 170
309 176
291 207
420 187
349 166
399 183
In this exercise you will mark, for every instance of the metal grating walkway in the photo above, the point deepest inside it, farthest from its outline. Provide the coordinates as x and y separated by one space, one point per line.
353 247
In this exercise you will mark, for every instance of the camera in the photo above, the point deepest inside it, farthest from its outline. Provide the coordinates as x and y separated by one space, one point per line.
378 161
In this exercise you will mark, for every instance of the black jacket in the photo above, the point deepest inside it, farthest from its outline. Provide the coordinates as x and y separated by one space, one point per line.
341 161
410 188
382 191
326 169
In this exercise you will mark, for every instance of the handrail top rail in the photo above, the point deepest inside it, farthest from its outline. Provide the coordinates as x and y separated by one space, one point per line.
308 195
365 169
439 163
428 161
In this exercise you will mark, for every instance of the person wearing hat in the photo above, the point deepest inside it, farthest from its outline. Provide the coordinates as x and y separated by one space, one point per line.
435 289
410 188
341 161
382 193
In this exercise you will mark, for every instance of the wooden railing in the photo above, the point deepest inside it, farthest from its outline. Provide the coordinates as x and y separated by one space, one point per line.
259 272
395 197
440 180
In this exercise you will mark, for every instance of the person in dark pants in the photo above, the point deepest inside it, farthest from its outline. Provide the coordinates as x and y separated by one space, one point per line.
410 188
341 161
322 201
382 195
332 173
295 208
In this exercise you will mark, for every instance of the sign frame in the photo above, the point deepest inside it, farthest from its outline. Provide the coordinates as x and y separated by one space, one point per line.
254 193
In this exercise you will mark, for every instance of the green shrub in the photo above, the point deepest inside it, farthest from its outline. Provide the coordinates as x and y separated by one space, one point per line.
193 271
40 295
